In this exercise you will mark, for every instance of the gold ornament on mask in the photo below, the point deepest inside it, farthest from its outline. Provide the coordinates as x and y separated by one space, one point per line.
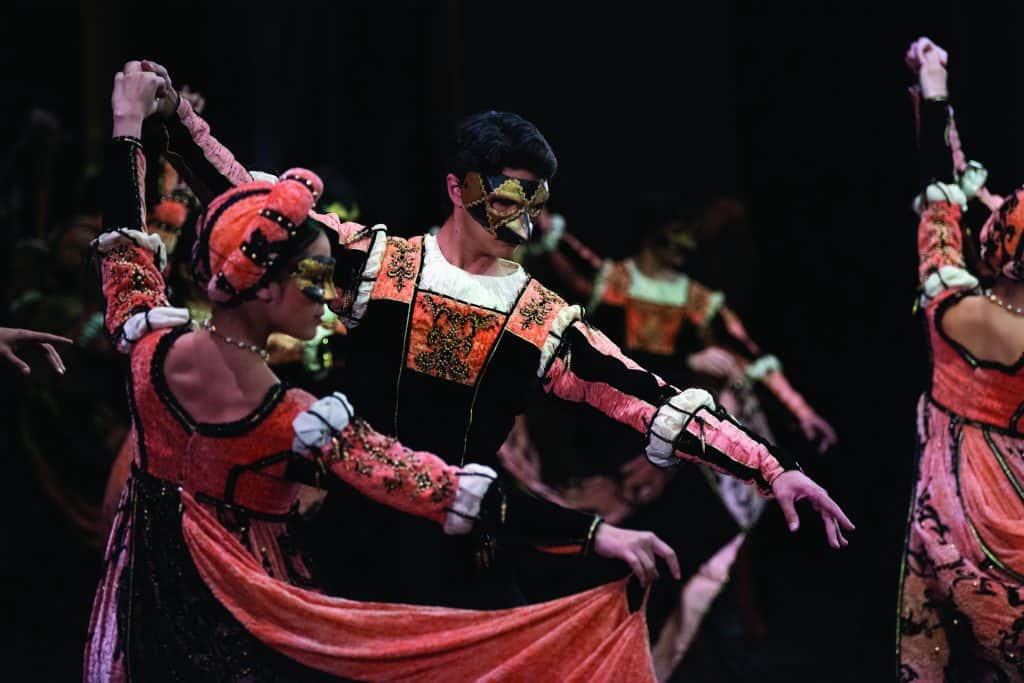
345 213
314 276
501 201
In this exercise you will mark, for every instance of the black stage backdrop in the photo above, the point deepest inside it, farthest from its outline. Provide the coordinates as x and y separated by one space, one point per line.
801 111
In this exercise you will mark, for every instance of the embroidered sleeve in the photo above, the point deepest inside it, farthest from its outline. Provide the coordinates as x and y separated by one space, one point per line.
939 240
207 166
382 469
589 368
131 260
940 249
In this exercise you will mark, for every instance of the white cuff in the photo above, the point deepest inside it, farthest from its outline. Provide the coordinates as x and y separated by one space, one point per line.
946 277
715 303
374 258
761 367
474 482
567 316
315 426
670 421
263 177
973 179
141 324
939 192
147 240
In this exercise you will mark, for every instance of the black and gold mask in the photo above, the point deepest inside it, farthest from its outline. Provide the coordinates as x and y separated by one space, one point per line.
506 207
314 276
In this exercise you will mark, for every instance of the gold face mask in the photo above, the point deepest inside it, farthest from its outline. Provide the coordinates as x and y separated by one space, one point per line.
675 241
506 207
314 276
343 212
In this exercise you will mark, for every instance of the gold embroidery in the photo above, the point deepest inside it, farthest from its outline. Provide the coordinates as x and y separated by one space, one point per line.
146 287
423 481
537 310
404 463
401 266
450 343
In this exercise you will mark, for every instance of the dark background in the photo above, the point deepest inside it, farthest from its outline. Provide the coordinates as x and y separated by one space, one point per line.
801 111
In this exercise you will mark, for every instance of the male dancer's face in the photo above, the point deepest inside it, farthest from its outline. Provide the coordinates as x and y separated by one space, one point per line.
505 207
671 243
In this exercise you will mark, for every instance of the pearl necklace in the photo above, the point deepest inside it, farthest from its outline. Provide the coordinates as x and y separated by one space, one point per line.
991 296
212 329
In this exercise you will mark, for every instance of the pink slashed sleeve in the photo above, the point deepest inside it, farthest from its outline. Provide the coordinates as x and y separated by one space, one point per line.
588 368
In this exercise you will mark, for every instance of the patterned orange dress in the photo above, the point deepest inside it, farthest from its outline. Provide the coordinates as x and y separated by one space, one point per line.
961 604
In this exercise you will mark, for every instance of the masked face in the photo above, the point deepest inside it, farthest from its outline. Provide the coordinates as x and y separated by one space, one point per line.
506 207
673 242
314 276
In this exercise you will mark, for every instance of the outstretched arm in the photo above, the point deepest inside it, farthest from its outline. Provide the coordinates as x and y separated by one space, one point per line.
462 499
588 368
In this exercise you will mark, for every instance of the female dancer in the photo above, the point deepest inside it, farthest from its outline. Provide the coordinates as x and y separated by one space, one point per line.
961 611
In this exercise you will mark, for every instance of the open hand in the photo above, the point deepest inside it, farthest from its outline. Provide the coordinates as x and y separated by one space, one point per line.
169 96
135 96
928 61
792 486
815 428
639 549
11 338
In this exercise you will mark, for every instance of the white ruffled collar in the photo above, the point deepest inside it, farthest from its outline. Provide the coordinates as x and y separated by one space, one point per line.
669 292
498 292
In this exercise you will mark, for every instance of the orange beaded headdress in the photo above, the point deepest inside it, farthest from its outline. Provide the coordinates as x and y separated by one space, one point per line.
1002 238
250 231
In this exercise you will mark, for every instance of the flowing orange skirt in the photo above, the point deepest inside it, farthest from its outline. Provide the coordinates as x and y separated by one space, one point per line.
589 636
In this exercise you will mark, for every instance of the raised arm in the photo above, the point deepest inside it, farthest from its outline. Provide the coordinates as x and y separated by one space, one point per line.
942 270
130 259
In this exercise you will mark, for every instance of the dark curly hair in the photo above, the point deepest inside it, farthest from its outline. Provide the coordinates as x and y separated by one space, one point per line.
491 141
